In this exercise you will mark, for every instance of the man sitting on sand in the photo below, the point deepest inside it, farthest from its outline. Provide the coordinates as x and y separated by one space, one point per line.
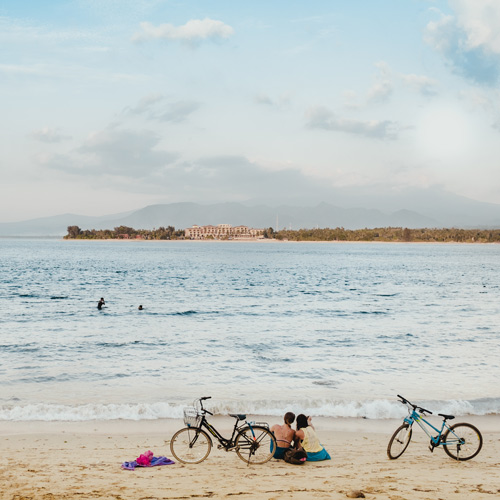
284 435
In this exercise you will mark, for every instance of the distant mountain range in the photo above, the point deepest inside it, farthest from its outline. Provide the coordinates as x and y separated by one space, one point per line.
447 211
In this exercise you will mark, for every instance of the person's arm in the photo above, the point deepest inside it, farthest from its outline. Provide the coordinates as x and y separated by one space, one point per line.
309 422
299 436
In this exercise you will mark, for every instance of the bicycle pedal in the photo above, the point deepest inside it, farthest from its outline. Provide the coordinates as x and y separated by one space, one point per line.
431 448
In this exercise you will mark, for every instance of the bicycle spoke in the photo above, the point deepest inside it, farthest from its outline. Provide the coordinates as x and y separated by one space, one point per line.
399 441
462 441
255 445
190 445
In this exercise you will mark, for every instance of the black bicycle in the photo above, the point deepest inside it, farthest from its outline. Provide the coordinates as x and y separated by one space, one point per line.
253 442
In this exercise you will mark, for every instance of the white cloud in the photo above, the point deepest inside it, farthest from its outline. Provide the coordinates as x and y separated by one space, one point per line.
194 31
469 40
480 20
153 108
48 135
477 99
178 111
321 117
18 69
280 102
225 177
145 104
264 99
423 84
350 98
121 153
380 92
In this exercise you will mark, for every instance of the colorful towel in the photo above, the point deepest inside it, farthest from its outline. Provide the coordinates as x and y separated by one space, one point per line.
145 459
154 462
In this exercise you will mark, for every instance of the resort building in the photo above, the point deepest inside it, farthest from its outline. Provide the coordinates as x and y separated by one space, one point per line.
222 232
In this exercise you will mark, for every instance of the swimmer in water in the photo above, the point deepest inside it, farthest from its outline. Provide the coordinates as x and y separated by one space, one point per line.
140 308
100 304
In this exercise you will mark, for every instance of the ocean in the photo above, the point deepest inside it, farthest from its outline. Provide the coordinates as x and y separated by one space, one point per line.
328 329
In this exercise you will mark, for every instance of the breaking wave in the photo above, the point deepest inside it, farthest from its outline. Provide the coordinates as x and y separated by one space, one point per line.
375 409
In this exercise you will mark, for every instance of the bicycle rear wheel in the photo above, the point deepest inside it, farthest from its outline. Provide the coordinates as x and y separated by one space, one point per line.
399 441
255 445
462 441
190 445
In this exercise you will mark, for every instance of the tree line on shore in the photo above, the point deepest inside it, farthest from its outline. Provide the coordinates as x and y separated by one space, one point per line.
124 232
385 234
392 234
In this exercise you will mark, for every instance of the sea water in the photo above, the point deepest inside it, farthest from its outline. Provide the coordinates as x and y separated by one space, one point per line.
329 329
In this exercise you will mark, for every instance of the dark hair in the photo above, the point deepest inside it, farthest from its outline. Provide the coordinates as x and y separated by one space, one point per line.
302 421
289 418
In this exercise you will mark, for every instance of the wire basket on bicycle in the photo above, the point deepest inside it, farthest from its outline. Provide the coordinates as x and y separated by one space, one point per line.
192 416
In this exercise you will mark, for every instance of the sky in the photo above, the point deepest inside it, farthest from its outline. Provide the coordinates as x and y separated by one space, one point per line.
108 106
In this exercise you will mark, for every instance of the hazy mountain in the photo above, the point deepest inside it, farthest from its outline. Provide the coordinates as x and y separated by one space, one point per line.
56 225
412 209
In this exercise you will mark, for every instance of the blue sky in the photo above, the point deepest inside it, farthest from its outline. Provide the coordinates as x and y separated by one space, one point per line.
112 105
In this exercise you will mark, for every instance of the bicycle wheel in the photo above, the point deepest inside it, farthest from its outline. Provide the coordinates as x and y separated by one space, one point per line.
255 445
399 441
462 441
190 445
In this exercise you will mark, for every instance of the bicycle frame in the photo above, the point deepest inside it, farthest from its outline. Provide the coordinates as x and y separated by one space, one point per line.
414 416
224 442
460 441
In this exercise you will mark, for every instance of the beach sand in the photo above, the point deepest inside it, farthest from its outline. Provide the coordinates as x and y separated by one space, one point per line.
68 460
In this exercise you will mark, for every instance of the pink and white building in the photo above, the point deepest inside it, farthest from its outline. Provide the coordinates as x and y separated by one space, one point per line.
222 232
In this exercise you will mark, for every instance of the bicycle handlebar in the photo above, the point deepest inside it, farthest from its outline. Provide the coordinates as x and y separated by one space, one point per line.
201 404
415 407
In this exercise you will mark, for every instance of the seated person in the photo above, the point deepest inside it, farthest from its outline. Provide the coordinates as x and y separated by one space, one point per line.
284 435
306 436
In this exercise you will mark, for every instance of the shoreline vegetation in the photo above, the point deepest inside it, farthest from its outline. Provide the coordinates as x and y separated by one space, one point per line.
384 234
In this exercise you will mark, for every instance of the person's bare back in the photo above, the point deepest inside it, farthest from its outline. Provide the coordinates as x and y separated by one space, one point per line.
284 433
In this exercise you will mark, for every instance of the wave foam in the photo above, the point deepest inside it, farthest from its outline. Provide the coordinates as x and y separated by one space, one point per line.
373 409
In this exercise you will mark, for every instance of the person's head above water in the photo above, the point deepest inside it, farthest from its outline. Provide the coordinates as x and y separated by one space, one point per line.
140 308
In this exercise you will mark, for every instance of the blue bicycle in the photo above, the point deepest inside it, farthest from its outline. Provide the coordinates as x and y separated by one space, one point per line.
461 441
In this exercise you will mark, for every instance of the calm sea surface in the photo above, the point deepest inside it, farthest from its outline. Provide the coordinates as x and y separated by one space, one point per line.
328 329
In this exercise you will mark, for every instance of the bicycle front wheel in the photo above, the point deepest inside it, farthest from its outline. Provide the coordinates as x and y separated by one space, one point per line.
255 445
462 441
399 441
190 445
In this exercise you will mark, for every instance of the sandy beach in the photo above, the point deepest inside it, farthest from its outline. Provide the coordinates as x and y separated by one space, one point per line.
70 460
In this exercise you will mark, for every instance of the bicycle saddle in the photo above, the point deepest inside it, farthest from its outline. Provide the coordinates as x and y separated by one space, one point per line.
239 416
446 417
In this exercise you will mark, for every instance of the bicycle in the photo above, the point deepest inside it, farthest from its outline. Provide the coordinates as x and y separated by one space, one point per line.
253 442
461 441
